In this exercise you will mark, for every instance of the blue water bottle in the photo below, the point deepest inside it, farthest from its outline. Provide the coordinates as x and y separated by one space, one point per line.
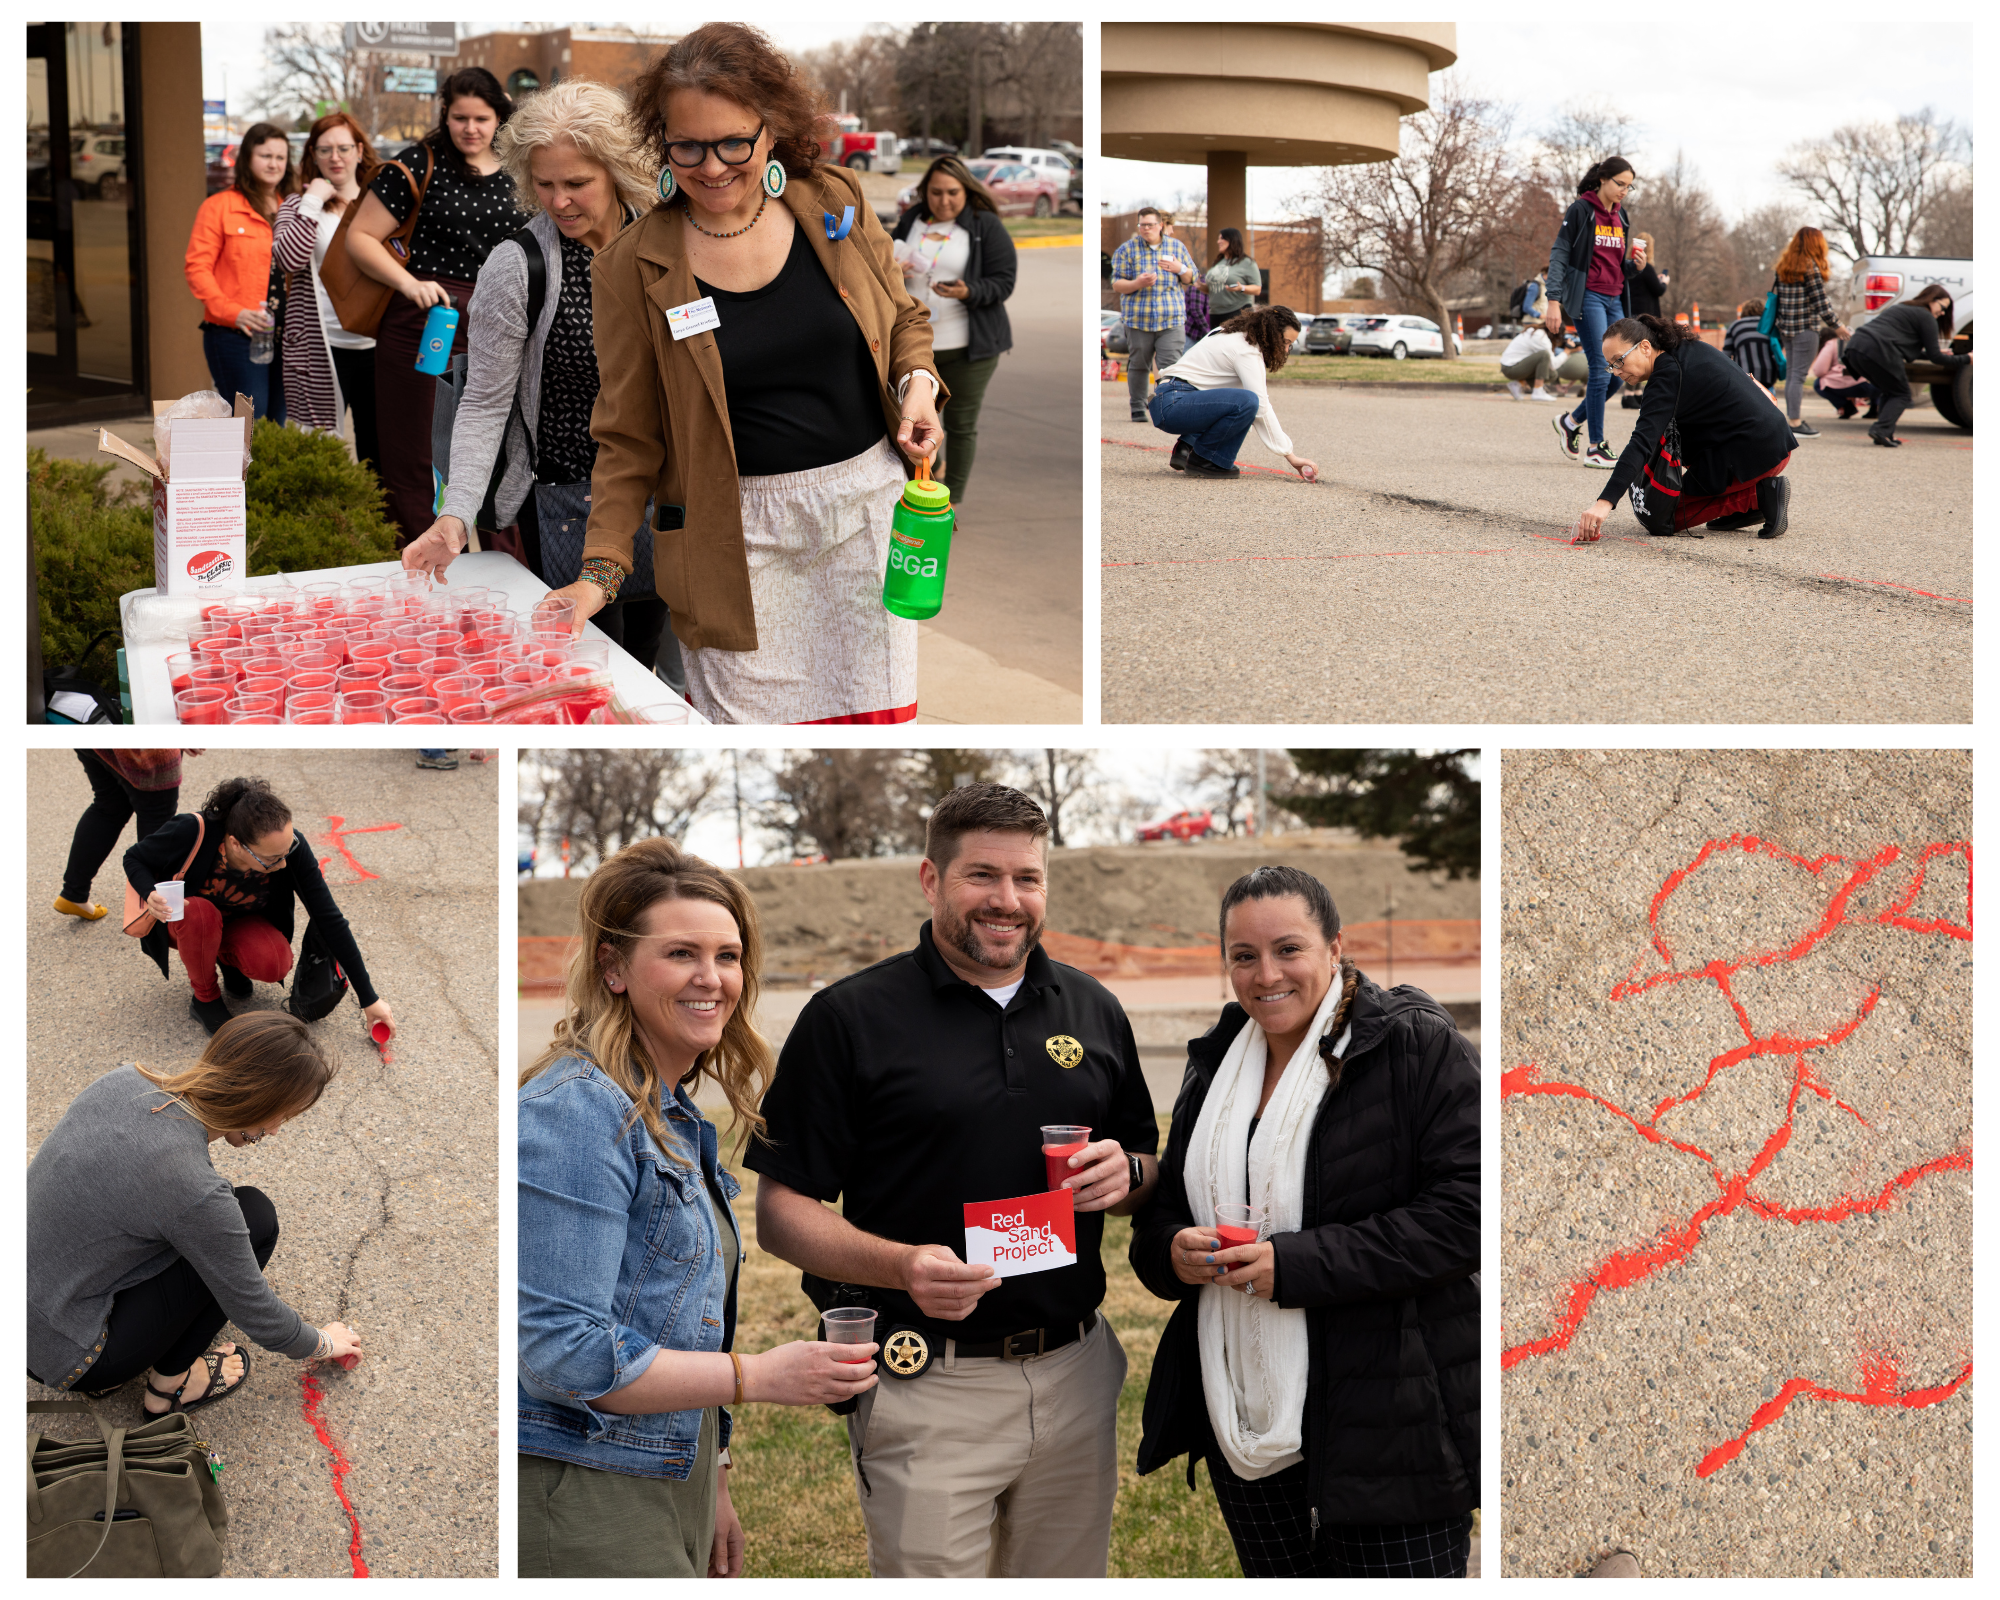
440 327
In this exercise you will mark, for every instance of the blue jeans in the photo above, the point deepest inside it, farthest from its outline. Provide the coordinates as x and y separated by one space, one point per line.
1210 422
234 373
1597 313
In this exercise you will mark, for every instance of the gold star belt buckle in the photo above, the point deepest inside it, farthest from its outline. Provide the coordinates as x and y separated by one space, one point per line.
906 1353
1064 1051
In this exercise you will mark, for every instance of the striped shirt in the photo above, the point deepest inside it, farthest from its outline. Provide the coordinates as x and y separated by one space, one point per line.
1163 305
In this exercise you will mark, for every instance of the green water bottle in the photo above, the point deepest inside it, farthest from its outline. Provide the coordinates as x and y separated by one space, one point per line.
919 547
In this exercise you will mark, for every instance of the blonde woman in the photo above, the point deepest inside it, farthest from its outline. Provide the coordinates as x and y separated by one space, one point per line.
139 1251
628 1246
531 368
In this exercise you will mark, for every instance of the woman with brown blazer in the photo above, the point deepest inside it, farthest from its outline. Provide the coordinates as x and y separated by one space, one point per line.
754 372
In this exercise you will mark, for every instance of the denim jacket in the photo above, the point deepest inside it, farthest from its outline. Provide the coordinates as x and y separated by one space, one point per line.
619 1259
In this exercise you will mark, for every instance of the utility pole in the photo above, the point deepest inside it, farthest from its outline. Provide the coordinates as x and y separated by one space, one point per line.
1389 924
736 777
1263 814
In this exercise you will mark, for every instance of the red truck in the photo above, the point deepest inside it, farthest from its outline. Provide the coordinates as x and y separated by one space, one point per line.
861 150
1182 825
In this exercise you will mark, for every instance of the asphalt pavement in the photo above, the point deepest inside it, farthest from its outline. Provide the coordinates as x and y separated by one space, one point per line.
385 1191
1428 577
1736 1138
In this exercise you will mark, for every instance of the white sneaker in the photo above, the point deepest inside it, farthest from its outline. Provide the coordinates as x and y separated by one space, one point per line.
1514 389
1541 394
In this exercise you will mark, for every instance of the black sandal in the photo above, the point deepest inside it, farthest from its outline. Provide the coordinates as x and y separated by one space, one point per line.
216 1389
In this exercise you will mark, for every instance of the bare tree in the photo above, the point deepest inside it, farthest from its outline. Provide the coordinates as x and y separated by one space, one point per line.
1582 134
843 804
1690 238
308 66
1947 225
935 773
1042 63
1433 211
1875 183
1064 783
1227 779
859 74
603 800
1758 239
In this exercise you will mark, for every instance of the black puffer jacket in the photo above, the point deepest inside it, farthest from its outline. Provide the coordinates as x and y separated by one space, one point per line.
989 278
1385 1267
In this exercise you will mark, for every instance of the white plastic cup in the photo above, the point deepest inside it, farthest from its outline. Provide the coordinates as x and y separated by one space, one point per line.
174 892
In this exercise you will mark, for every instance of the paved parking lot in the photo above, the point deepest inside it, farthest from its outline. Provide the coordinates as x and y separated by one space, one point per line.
1428 578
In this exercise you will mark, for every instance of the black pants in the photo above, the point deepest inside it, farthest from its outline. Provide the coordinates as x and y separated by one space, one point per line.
1891 380
167 1322
1270 1523
638 627
113 803
356 371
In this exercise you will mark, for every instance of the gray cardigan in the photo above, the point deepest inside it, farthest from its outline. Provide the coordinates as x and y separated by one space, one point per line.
116 1194
503 361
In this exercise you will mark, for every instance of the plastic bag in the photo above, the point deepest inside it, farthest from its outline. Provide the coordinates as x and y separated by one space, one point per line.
207 404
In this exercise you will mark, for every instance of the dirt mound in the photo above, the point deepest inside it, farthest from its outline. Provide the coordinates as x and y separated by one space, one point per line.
826 921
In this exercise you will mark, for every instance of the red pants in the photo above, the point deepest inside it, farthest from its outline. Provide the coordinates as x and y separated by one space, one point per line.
1694 510
249 944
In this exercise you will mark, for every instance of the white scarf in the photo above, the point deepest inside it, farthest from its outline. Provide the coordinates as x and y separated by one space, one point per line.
1254 1354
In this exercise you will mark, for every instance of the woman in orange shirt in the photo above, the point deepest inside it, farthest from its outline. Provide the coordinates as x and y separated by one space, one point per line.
229 269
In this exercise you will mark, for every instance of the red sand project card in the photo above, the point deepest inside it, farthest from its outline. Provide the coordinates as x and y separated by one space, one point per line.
1031 1234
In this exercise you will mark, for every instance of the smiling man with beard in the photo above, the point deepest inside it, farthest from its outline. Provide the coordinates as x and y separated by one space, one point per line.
909 1091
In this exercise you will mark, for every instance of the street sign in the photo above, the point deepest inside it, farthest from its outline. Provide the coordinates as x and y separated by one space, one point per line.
415 38
214 108
409 80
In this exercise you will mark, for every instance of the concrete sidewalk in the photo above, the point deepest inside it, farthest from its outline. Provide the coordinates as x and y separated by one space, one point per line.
386 1191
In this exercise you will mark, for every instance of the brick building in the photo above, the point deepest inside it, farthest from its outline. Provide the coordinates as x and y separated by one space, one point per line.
1291 255
524 62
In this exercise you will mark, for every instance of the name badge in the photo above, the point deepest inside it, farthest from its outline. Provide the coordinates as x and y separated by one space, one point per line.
697 316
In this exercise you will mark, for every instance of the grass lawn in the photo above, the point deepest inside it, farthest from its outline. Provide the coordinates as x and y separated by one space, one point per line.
794 1488
1041 227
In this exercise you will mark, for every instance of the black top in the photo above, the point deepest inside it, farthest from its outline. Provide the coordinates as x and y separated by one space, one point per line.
564 449
1643 289
159 855
1730 431
907 1091
799 378
1902 333
990 270
461 220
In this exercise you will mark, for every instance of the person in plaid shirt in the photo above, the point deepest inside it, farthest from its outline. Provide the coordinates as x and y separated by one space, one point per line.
1151 271
1800 285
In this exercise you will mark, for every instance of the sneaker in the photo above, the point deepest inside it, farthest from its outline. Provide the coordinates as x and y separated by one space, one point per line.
211 1014
1804 430
1202 467
1179 459
1140 416
1737 521
1599 455
1542 394
1514 389
233 981
438 760
1570 434
1774 499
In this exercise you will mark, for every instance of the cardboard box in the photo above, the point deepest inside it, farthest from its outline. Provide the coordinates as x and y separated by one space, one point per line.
199 533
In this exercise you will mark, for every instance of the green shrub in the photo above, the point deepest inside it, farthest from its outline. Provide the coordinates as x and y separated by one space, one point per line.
308 505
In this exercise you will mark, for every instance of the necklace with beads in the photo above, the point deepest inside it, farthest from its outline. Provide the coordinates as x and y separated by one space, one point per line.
733 232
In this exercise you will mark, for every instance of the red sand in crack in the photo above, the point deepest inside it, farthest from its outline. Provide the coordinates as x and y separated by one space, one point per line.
1625 1268
310 1410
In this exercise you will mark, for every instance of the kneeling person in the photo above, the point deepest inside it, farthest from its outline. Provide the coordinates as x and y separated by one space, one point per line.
910 1091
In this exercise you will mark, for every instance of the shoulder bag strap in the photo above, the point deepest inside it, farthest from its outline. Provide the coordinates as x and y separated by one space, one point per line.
200 833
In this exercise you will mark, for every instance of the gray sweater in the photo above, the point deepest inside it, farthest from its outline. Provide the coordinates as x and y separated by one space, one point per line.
116 1194
503 359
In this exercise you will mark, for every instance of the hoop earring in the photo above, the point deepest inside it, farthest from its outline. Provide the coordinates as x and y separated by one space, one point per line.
668 188
774 177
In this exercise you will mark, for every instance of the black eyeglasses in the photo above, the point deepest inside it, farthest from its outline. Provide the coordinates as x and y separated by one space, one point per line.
731 152
1617 363
271 865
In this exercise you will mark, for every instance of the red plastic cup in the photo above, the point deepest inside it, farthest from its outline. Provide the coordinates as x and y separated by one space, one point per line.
487 669
401 685
180 670
242 706
213 675
316 661
262 720
314 719
1237 1223
525 675
314 682
408 658
420 719
440 667
363 705
266 664
470 711
201 706
1060 1141
361 675
375 650
456 689
313 703
274 687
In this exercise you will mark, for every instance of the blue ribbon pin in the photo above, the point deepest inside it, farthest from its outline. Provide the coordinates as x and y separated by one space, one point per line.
837 231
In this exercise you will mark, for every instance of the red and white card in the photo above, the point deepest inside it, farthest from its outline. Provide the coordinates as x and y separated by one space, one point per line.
1034 1233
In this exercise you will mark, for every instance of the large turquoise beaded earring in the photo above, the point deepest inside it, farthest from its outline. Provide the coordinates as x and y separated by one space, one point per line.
774 177
668 188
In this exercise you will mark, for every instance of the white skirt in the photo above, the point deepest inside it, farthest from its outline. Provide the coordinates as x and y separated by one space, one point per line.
818 544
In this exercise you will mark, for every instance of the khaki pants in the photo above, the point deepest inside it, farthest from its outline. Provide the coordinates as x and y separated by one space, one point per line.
993 1468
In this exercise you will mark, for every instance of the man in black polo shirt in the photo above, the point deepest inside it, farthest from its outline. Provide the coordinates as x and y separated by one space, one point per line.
909 1091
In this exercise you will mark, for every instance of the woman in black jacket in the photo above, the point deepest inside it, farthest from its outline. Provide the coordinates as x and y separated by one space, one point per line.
1645 286
1589 265
1734 442
1329 1372
1880 348
243 866
958 260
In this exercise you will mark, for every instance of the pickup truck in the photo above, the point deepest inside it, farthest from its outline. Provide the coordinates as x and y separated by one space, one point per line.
1881 281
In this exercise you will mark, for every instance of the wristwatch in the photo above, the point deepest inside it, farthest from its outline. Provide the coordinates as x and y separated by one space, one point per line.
1138 1170
723 1458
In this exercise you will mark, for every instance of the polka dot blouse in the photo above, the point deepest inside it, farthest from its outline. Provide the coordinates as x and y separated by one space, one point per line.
564 450
462 218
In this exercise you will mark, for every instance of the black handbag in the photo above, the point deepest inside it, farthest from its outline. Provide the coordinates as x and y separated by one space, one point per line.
1656 495
318 984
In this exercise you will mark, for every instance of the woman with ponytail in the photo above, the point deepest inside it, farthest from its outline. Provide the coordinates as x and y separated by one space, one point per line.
1588 266
1734 443
1350 1114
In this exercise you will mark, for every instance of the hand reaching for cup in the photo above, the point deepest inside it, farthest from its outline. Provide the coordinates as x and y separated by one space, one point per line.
809 1372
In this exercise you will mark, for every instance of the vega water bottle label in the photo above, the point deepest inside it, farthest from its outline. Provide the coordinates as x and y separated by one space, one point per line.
915 565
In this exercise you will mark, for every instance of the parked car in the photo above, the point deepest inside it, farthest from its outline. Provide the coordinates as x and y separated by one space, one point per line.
1182 825
1018 191
928 151
221 165
97 162
1881 281
1054 162
1400 338
1326 337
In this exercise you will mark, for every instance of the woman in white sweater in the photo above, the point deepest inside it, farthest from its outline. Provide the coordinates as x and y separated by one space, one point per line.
1211 396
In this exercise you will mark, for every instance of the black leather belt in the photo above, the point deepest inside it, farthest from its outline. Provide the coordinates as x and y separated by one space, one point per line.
1031 1341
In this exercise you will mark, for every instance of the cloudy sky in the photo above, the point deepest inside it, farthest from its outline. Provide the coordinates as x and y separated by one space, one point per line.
1732 101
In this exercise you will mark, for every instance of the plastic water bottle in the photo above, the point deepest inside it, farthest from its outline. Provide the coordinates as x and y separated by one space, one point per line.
440 327
264 342
919 547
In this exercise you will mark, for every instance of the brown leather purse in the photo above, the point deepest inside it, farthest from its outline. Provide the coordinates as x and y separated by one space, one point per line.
359 300
138 920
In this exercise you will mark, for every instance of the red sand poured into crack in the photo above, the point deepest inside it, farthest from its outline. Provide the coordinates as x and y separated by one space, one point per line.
1624 1268
310 1410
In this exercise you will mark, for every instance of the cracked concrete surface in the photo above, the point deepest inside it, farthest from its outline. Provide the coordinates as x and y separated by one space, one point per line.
1737 1196
386 1191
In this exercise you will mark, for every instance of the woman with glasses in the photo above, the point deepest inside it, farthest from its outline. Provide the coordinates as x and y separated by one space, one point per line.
466 208
761 366
1734 443
139 1251
329 370
244 867
1588 266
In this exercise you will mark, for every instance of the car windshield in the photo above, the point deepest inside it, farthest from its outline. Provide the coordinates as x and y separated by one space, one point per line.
982 170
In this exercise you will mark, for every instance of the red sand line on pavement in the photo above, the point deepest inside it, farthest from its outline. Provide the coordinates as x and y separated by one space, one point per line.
310 1410
1879 1377
1884 583
1356 555
337 835
1626 1268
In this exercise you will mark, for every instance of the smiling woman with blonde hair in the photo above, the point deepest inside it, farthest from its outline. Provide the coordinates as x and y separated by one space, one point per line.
628 1245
